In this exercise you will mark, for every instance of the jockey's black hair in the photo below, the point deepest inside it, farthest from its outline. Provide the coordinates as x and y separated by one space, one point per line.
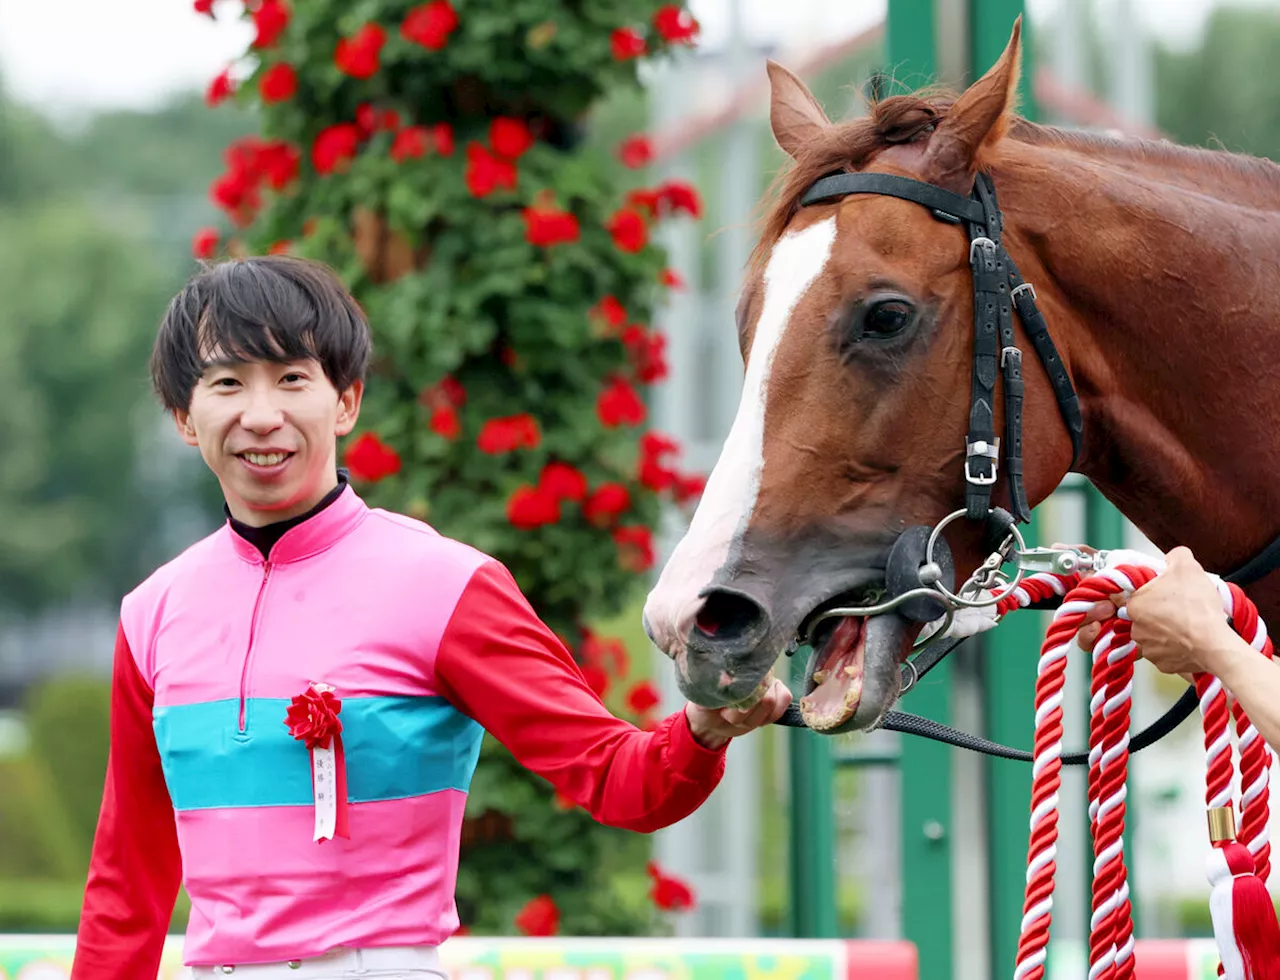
275 308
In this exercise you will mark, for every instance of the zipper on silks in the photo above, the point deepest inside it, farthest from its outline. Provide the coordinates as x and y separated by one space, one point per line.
248 653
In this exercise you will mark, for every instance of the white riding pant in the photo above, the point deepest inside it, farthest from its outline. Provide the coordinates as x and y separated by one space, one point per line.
377 963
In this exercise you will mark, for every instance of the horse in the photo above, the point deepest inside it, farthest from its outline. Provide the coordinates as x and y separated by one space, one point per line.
1148 271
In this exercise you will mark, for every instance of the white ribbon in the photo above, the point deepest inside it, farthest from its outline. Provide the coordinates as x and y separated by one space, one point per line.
324 774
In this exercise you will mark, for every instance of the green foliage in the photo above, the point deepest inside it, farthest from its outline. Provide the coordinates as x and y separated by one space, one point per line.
69 721
36 838
459 292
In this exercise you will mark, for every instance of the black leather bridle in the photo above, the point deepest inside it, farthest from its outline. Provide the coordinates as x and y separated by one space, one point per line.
999 291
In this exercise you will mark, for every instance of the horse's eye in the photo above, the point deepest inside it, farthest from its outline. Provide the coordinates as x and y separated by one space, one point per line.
888 317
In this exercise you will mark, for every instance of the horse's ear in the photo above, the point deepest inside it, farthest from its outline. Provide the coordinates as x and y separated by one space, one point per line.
794 113
976 121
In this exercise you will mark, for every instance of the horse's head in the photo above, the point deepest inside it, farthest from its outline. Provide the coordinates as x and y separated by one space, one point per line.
856 326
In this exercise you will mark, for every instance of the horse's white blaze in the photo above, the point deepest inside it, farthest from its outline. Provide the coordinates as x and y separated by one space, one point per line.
730 495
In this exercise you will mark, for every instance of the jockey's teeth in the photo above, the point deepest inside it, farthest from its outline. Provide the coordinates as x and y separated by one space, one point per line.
267 459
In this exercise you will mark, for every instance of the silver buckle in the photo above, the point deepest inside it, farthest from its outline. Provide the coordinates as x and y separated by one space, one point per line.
1007 352
1028 287
985 243
981 448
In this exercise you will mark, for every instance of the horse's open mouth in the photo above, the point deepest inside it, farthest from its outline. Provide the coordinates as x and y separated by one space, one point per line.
833 685
852 677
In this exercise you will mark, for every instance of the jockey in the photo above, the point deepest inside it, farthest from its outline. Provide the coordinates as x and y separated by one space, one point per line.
298 699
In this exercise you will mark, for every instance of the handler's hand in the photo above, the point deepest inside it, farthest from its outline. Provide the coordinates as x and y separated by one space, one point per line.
713 727
1178 616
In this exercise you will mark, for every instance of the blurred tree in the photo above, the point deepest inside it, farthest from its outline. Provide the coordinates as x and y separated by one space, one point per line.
1225 92
96 232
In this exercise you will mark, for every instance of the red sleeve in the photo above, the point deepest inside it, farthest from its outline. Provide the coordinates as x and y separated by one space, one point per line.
135 869
501 665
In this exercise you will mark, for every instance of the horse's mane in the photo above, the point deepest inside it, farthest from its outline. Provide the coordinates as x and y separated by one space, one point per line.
907 118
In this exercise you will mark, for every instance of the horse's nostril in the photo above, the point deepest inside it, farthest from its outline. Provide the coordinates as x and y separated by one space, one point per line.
728 616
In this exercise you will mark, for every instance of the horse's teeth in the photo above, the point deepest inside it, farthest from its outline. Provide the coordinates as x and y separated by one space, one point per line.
819 676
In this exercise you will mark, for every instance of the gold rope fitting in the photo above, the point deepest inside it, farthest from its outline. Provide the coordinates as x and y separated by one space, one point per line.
1222 824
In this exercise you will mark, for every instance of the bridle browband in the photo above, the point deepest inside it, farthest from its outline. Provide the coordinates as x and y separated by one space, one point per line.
999 291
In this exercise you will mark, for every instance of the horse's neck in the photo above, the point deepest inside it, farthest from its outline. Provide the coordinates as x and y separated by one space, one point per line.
1165 301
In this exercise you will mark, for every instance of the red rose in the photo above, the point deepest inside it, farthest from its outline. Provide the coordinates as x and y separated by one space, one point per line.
278 83
358 55
549 226
442 136
619 404
529 507
409 142
539 917
645 200
270 18
647 350
596 679
654 472
671 279
643 697
486 173
658 444
502 435
675 24
606 503
204 7
312 717
636 151
204 243
370 459
635 547
669 893
445 422
510 138
688 488
366 118
678 195
447 391
626 44
605 654
610 313
279 248
563 482
220 89
430 24
628 230
278 163
334 146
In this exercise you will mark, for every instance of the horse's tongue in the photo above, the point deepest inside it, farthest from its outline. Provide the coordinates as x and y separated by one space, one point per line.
838 678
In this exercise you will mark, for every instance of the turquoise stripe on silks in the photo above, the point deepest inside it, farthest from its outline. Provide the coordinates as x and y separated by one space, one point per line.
395 747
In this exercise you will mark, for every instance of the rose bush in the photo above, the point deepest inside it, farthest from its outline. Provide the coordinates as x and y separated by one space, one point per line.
430 152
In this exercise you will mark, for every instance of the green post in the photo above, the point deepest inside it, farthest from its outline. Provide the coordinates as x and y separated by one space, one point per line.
990 24
925 767
1010 654
812 914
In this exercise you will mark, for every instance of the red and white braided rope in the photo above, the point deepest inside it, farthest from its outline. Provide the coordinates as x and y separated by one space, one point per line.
1111 940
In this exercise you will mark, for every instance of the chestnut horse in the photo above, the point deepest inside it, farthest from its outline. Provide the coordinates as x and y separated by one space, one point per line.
1157 271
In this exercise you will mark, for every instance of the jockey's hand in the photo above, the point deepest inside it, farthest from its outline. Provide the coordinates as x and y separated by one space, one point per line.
713 727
